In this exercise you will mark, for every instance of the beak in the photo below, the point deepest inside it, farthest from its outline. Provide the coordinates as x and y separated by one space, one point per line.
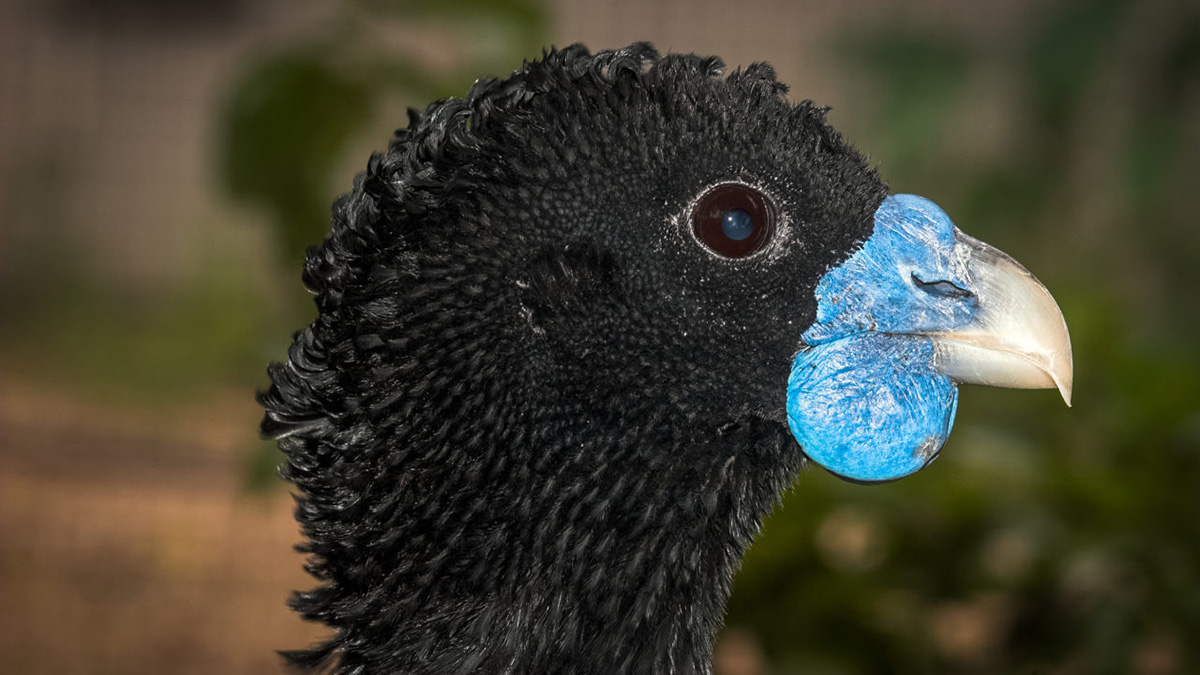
1017 338
917 310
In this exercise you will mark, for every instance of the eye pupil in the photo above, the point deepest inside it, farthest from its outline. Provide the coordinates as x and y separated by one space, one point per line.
737 224
733 220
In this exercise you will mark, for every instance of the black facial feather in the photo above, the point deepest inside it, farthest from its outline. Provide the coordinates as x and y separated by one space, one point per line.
536 423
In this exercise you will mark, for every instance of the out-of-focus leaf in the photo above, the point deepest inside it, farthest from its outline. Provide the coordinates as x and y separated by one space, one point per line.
285 125
918 80
262 467
523 20
1064 52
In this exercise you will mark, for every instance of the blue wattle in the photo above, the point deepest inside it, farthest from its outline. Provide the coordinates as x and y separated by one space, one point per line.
864 400
870 407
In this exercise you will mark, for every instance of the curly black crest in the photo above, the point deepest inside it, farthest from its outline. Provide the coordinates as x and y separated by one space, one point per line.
535 425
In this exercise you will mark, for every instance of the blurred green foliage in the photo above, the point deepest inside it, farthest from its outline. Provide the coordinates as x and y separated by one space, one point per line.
291 117
287 123
144 350
1044 539
65 322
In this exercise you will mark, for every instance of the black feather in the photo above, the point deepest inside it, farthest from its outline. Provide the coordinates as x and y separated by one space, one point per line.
535 425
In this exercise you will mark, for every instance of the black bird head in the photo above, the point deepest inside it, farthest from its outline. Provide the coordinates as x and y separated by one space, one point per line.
565 325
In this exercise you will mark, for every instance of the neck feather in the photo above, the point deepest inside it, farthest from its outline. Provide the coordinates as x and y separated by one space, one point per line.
610 550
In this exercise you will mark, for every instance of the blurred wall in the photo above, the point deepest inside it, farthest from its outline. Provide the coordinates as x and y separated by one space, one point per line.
107 125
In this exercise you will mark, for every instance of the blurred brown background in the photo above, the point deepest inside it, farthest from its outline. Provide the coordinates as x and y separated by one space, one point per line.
162 166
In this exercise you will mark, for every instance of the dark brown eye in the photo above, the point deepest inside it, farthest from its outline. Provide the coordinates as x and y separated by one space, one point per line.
733 220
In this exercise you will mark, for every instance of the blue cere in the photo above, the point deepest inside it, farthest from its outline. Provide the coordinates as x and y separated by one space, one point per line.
737 224
906 278
870 407
864 400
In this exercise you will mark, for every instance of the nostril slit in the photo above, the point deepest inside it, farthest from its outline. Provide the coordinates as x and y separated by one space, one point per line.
942 288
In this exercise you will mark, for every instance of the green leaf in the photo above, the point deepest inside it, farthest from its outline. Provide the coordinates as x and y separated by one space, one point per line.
286 122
